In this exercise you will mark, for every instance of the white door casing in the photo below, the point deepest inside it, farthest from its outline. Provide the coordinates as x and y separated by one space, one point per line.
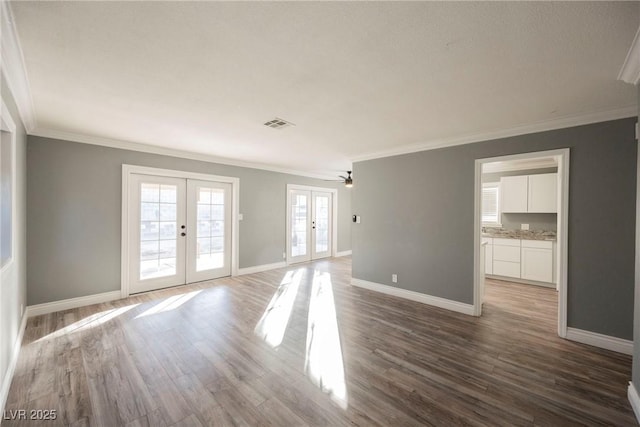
130 273
311 230
562 228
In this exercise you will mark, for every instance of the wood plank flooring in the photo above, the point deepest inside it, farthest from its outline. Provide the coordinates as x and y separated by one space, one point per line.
300 346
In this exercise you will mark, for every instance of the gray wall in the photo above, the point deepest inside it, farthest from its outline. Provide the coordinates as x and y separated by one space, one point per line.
74 214
417 220
536 221
13 287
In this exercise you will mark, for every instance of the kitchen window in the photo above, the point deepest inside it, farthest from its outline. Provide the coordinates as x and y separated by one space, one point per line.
491 204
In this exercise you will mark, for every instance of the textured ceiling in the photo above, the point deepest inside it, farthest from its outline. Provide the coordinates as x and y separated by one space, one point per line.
355 78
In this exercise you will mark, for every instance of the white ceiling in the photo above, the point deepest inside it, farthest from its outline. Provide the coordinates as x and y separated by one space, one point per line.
355 78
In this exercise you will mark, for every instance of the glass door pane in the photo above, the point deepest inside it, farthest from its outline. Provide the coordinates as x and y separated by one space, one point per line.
299 223
158 251
299 226
158 230
322 223
209 240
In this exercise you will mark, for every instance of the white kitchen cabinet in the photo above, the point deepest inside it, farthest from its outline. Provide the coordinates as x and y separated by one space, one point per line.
513 193
537 260
506 257
543 193
506 268
529 193
488 255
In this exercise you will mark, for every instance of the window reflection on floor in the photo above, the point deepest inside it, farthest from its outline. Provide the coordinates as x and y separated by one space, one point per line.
169 304
324 364
89 322
275 319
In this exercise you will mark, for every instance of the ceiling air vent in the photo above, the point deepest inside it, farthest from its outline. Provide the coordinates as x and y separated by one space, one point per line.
278 123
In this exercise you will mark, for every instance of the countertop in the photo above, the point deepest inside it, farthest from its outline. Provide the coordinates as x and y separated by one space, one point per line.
520 234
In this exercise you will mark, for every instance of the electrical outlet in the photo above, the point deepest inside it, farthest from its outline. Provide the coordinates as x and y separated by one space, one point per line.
524 226
394 278
240 217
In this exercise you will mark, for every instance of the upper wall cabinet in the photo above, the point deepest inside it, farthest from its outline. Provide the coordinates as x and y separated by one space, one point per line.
543 193
514 193
530 193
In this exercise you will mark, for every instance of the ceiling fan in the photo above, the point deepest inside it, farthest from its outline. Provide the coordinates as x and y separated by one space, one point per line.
348 181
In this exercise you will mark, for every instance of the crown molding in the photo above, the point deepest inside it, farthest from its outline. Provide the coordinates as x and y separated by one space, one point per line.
561 123
630 71
163 151
13 68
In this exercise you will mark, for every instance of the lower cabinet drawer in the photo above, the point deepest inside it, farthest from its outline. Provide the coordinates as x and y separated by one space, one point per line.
506 253
506 268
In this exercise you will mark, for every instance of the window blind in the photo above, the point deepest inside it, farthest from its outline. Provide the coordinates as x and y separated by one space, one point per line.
490 203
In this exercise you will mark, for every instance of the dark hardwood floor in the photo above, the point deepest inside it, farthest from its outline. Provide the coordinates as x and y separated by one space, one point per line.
300 346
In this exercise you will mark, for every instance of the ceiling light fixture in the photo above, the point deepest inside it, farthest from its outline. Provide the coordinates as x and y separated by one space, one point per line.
348 181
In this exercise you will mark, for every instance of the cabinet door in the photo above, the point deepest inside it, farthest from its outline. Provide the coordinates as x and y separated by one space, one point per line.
543 193
537 264
513 190
506 268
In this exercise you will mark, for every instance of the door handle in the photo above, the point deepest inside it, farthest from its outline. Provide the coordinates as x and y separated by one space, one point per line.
183 234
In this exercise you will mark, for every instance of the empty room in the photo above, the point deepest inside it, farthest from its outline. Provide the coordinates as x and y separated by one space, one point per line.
319 213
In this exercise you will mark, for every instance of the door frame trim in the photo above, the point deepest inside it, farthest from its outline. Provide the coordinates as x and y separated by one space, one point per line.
128 170
562 232
334 213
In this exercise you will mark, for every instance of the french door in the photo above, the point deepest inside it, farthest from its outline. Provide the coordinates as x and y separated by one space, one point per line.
180 231
310 225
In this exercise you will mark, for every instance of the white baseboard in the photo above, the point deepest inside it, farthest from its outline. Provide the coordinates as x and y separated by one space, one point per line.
6 384
415 296
260 268
599 340
343 253
634 399
66 304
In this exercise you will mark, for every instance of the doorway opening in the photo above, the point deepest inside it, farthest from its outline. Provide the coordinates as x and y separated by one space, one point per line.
178 228
311 230
521 227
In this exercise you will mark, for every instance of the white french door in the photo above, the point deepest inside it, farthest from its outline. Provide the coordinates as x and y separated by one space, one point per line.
310 222
209 240
180 231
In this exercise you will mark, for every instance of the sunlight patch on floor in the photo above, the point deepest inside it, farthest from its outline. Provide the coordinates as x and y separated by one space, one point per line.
89 322
324 364
275 319
169 304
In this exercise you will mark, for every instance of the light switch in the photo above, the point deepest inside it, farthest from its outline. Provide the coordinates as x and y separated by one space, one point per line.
240 217
357 219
